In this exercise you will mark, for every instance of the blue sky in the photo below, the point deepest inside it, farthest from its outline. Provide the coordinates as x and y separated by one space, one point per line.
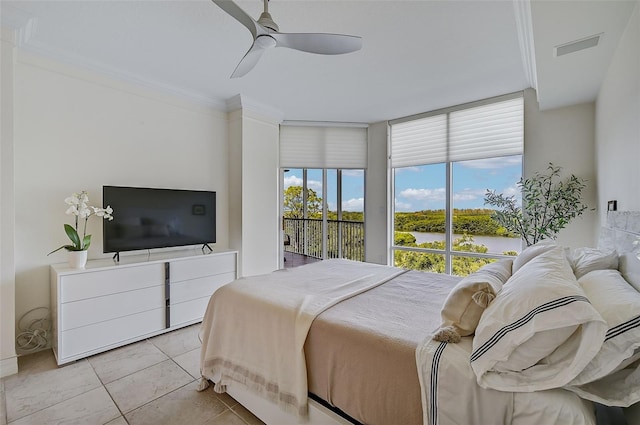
423 188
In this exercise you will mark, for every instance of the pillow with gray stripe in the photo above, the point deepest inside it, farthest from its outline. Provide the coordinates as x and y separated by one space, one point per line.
540 331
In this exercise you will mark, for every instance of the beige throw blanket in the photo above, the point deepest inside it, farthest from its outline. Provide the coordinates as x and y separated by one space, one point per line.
254 329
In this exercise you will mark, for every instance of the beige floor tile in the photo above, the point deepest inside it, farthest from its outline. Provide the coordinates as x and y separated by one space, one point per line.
92 407
132 391
118 421
190 361
227 418
37 362
126 360
183 406
246 415
38 387
227 399
3 406
179 341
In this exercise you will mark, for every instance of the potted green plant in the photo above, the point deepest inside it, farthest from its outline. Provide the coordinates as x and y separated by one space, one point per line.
548 205
79 208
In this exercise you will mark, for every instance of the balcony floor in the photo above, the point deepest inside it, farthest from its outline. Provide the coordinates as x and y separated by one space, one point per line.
293 259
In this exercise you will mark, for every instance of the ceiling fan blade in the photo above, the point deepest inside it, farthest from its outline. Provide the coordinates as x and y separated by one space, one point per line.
252 57
324 44
241 16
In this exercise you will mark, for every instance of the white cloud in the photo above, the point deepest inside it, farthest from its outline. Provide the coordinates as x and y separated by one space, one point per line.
424 194
353 173
408 169
355 204
469 195
511 191
493 163
402 206
315 185
292 181
297 181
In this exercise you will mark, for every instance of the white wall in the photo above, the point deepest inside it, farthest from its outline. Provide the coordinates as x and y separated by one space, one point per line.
618 134
565 137
376 210
254 180
260 206
76 130
8 359
618 124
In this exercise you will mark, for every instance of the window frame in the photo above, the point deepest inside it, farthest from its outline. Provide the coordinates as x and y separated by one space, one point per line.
448 251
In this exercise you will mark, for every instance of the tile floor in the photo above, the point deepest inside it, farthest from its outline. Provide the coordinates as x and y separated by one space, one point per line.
153 381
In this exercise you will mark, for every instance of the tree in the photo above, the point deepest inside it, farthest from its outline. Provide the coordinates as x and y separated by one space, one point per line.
294 203
548 205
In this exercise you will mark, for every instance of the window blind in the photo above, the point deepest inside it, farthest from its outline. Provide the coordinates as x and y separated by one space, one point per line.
323 147
419 142
471 132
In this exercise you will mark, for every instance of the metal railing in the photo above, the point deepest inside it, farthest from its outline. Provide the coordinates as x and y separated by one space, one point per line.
345 239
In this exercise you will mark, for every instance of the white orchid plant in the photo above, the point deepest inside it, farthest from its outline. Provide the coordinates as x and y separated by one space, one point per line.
78 207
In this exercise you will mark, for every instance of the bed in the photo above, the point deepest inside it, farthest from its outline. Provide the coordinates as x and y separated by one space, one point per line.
339 342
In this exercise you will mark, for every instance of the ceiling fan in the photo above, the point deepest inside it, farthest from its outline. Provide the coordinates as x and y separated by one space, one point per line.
266 35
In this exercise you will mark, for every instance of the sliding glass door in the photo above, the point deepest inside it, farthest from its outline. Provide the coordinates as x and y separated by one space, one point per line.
323 213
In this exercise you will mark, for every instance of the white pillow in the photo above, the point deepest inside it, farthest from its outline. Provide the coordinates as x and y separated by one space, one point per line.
585 260
531 252
619 304
619 388
468 299
629 266
539 332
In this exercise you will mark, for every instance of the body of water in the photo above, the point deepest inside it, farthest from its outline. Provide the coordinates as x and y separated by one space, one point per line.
496 244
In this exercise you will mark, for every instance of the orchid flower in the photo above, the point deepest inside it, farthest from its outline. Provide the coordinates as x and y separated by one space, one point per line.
80 208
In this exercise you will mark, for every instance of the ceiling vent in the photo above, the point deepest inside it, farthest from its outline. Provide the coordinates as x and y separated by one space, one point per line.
574 46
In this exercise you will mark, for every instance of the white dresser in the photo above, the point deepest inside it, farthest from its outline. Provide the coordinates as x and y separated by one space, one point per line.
107 304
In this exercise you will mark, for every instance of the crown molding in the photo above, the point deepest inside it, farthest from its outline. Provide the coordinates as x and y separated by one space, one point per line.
254 109
20 28
524 24
40 49
22 24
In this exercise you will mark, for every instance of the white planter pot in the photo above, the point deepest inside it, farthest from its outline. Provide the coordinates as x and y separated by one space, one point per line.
77 259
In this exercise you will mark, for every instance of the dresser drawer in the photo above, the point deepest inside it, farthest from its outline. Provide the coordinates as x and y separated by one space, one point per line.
198 288
94 310
204 266
190 311
90 284
87 340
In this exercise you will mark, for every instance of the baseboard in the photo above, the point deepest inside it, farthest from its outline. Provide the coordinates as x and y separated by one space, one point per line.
8 366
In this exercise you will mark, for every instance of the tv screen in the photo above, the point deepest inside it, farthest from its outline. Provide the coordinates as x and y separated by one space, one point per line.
145 218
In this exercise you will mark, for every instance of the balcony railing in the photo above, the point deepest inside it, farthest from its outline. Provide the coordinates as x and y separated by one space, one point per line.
345 239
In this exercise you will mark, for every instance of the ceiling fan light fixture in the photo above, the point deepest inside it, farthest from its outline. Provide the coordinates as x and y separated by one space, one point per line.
265 42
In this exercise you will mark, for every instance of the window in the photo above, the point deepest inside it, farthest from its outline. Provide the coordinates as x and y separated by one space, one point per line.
324 213
442 165
323 183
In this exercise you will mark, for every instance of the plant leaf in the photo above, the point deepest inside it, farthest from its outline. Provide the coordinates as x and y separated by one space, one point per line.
86 242
67 247
73 235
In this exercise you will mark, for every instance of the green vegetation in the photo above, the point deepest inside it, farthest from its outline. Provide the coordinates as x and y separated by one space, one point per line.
293 203
431 262
467 222
477 221
548 205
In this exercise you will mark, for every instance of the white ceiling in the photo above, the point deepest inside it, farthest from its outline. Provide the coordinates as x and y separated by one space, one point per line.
417 55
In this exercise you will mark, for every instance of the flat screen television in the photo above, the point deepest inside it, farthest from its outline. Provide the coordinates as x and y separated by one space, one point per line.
146 218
